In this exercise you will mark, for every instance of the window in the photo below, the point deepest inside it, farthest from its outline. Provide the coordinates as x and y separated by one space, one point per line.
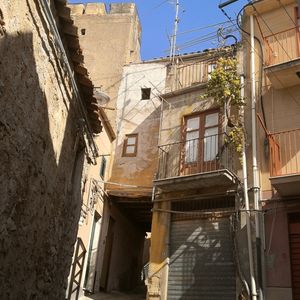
146 93
130 145
211 129
103 167
83 31
201 137
210 68
192 136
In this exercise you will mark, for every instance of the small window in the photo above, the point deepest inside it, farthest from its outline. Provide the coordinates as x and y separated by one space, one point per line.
83 31
146 93
210 68
103 167
130 145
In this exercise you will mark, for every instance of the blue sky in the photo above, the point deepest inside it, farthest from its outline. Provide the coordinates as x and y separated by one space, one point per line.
157 18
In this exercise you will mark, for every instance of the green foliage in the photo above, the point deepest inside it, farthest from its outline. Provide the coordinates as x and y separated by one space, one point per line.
225 87
236 137
224 83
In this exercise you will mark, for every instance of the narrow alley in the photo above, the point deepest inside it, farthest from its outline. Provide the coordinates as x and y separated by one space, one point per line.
149 150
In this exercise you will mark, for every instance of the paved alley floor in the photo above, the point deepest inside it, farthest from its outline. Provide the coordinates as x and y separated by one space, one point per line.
115 295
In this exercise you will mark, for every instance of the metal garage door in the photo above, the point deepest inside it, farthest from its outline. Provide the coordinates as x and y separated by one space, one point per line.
294 235
201 260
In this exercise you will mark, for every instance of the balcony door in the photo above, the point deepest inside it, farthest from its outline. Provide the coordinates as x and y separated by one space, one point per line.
200 143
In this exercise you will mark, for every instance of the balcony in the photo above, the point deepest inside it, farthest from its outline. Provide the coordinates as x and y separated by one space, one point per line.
187 76
282 57
285 162
197 163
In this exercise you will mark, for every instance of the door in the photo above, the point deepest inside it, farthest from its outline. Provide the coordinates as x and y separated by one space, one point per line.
107 255
90 274
294 237
201 260
201 143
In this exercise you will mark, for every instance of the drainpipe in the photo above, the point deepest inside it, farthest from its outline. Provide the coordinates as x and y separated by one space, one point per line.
256 187
247 207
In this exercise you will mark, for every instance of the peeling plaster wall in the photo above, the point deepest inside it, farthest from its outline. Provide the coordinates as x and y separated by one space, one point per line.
40 171
142 117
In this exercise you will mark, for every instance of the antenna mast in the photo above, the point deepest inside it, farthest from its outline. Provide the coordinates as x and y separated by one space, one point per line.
173 40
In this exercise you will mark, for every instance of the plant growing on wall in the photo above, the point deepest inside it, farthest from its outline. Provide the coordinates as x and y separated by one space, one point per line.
225 87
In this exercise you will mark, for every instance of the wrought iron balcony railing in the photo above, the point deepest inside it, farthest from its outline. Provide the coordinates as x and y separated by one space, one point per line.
200 155
284 152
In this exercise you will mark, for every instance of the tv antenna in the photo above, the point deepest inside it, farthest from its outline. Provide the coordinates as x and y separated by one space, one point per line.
174 36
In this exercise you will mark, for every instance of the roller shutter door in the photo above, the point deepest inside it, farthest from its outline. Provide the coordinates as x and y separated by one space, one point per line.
294 235
201 260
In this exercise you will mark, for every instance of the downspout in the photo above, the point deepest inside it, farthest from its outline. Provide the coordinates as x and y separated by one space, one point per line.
247 206
256 186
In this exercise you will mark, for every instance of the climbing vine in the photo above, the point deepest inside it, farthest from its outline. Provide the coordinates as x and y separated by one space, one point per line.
225 87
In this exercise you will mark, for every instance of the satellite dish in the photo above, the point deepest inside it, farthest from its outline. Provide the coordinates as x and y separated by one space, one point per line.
101 97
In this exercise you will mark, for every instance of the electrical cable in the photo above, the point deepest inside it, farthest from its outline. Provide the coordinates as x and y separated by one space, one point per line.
262 59
283 7
201 28
261 64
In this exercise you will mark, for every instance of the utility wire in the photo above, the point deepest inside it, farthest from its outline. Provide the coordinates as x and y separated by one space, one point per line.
202 28
283 7
269 28
204 38
243 33
288 91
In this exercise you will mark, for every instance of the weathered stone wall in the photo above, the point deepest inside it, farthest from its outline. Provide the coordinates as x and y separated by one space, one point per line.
109 39
39 168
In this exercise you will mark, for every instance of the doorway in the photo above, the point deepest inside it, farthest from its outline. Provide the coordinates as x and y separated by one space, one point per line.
90 274
107 255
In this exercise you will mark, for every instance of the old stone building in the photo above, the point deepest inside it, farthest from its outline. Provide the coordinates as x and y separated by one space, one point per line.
48 118
191 253
110 38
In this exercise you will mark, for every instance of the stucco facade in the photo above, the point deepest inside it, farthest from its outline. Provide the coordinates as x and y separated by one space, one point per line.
141 117
278 138
110 39
191 199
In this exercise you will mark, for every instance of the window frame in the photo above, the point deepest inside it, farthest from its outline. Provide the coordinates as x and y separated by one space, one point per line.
202 116
125 145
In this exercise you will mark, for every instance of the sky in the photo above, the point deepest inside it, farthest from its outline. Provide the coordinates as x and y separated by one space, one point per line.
157 20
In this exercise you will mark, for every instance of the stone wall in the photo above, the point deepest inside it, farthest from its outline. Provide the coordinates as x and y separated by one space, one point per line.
40 168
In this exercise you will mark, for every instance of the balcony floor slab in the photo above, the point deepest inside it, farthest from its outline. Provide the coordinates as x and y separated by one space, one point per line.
221 180
284 75
287 185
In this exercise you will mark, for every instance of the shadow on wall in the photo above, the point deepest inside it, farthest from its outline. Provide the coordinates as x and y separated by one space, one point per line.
39 206
201 260
140 169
